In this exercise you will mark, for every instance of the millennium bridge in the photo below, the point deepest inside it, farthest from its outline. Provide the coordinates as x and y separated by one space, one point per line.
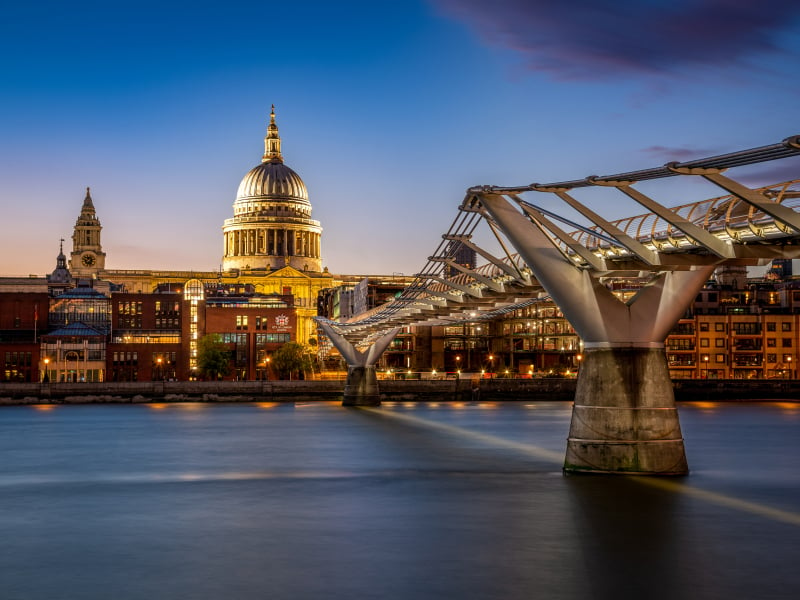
624 418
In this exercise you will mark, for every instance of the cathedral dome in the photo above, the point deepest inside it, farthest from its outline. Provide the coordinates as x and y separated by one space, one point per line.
272 180
272 226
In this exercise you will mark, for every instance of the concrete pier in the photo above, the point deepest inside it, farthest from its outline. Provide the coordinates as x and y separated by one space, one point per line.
624 418
361 387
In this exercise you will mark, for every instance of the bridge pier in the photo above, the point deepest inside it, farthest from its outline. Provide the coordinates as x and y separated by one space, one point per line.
624 418
361 387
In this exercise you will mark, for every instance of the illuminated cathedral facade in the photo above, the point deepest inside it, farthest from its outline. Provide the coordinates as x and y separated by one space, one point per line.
271 245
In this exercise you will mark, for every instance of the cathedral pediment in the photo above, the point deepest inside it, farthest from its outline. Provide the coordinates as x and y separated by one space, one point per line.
287 271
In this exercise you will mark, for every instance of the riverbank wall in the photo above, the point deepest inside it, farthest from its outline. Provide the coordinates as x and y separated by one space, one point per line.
456 390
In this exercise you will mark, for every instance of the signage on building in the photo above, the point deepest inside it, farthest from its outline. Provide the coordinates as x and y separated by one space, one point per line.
282 323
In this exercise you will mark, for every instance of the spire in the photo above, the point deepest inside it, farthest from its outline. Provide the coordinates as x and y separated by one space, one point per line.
88 200
87 210
272 143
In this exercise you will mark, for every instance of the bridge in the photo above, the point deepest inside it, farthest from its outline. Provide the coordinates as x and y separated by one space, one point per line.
624 417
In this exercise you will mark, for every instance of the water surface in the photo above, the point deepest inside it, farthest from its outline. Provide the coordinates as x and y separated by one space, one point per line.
408 501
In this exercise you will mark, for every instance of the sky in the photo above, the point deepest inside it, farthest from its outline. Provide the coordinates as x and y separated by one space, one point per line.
389 111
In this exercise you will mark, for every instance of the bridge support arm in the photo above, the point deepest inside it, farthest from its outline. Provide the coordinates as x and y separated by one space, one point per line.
624 418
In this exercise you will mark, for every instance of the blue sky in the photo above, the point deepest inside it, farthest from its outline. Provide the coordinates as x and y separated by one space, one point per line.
387 110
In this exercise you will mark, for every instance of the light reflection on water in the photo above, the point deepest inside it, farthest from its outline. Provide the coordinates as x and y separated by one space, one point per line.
428 500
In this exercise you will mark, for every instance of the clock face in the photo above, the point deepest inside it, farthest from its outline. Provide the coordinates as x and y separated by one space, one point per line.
87 260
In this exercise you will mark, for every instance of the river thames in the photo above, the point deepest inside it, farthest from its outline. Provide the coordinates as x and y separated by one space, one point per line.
408 501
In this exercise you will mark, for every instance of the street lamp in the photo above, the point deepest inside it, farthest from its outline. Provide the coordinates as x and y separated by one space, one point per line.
791 373
46 376
158 368
491 366
705 360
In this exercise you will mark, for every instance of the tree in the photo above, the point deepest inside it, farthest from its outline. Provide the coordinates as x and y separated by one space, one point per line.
292 358
213 357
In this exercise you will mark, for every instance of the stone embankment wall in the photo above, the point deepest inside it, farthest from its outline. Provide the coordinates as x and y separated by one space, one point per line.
278 391
725 390
462 390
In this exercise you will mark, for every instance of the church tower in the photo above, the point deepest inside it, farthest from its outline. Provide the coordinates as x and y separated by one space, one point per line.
87 258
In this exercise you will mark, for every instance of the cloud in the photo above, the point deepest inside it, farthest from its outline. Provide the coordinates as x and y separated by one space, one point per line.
665 154
586 39
770 173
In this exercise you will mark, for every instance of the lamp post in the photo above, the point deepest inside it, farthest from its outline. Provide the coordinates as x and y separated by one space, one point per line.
791 373
158 368
267 363
579 358
491 366
705 361
46 376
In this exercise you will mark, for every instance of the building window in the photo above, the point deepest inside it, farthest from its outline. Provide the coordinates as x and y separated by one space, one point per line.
786 326
241 321
719 326
786 342
704 342
703 326
720 358
770 342
719 343
771 326
772 358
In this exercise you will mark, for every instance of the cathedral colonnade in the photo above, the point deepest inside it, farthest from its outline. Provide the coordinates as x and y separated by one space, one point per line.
269 241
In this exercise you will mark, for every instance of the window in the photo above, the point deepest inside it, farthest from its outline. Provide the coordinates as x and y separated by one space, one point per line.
772 358
241 321
786 343
787 358
704 342
720 358
719 326
786 326
770 342
719 343
771 326
703 326
747 328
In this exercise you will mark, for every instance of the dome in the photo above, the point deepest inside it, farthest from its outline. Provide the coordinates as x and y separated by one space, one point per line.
272 180
272 226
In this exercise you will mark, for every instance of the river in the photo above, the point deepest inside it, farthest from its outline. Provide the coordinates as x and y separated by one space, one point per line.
408 501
